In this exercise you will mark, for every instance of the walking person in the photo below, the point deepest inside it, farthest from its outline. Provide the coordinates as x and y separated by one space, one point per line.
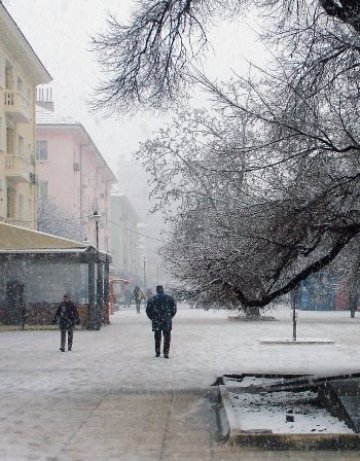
161 309
353 307
138 296
68 316
127 298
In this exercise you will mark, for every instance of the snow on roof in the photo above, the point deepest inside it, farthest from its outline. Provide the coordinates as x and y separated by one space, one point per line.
45 250
20 239
49 117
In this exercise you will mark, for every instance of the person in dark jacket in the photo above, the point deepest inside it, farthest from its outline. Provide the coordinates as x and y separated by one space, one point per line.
161 309
68 316
353 306
138 296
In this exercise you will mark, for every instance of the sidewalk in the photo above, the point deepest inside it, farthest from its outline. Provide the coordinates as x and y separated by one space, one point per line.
110 399
170 426
148 427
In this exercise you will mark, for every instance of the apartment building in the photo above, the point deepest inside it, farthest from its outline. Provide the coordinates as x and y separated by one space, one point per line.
20 72
74 180
126 241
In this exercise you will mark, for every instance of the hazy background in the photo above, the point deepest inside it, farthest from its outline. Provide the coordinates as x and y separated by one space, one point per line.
60 32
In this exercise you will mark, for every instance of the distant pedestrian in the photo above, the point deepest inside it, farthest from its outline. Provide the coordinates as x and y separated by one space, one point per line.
127 298
161 309
138 297
353 306
68 316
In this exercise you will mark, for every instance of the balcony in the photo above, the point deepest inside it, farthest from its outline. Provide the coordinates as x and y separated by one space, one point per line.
17 107
17 169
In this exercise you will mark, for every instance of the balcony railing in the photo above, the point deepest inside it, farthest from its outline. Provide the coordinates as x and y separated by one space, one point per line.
17 168
17 107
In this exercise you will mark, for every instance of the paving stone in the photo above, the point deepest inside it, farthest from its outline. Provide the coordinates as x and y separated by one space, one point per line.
129 406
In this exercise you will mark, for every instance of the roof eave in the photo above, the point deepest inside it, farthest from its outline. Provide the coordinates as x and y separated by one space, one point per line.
22 49
80 127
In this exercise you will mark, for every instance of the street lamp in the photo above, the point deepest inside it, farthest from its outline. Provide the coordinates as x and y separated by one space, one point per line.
96 217
96 300
145 278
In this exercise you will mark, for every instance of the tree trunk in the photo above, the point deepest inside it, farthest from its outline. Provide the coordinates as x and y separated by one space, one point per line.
252 311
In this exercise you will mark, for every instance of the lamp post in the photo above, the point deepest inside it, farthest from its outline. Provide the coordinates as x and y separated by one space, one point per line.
145 278
96 217
96 293
294 316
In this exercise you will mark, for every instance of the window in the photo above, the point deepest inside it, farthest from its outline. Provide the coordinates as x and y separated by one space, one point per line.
30 210
41 150
21 146
2 71
20 86
21 206
1 134
9 80
42 190
10 141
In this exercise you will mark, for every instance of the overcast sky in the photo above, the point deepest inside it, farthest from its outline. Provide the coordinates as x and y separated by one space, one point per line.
60 31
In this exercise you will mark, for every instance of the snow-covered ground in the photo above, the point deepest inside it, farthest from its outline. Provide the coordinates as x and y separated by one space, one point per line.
285 413
205 345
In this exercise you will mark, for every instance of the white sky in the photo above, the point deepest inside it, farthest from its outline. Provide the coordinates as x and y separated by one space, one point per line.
60 31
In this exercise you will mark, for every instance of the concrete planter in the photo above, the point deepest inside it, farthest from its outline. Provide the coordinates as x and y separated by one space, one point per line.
231 431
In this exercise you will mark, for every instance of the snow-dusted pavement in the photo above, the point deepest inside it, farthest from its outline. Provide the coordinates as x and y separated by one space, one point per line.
105 400
205 345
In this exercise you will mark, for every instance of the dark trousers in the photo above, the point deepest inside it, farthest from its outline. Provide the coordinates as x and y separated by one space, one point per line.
167 340
70 332
138 303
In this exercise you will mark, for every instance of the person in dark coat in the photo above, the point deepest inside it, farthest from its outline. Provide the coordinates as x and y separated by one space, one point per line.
161 309
68 316
138 296
353 306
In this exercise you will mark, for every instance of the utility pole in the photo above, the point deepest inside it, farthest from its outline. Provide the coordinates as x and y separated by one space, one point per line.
96 217
294 316
145 278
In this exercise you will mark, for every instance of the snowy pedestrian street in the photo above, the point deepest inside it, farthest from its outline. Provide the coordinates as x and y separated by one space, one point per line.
112 399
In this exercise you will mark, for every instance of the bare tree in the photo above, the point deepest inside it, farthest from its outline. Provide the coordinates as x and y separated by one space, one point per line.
347 11
150 62
251 222
267 194
56 221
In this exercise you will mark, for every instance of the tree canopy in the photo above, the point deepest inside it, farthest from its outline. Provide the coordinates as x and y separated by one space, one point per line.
150 61
263 190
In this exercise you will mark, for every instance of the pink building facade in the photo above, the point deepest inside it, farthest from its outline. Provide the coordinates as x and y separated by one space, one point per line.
73 179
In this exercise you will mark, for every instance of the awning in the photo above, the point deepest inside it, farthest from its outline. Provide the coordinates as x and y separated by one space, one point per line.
20 238
17 241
